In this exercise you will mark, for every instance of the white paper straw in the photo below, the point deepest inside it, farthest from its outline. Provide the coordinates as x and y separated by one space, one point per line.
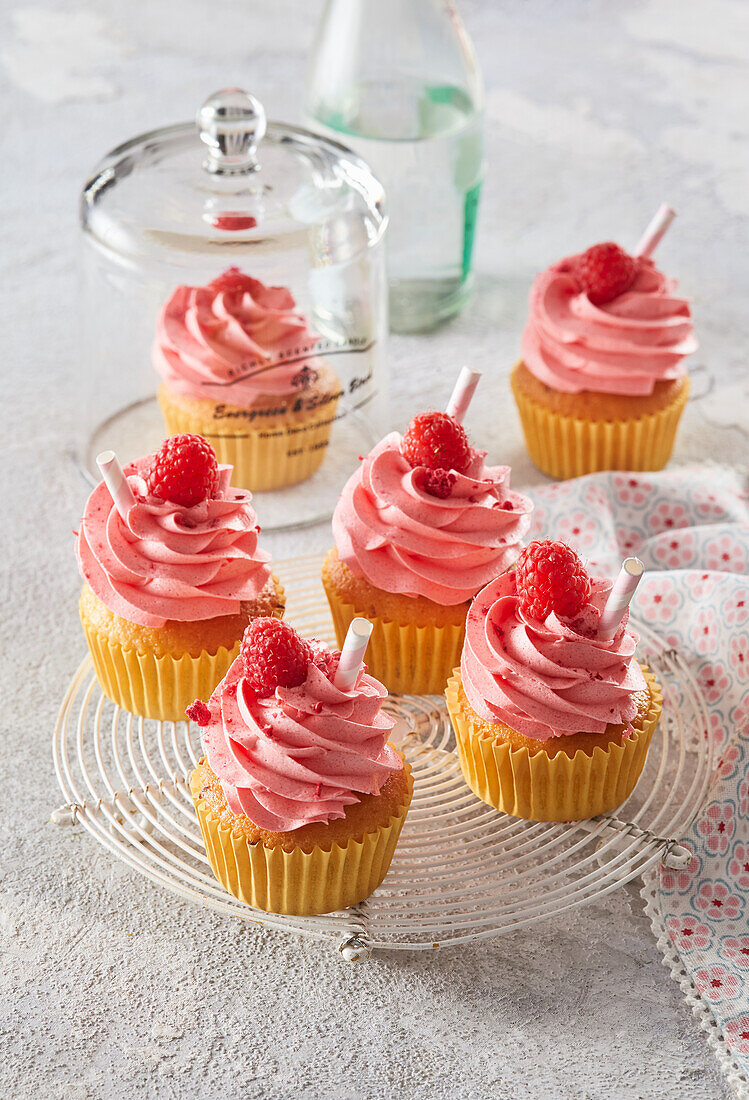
465 387
655 231
620 597
352 654
116 482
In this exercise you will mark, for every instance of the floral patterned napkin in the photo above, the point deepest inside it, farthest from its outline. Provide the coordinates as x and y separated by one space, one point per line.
690 527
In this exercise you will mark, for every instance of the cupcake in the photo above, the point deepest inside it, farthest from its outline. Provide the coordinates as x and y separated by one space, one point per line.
602 381
420 527
299 796
552 721
238 367
173 574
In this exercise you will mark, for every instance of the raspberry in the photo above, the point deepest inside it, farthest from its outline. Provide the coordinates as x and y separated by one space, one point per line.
198 712
436 441
550 577
233 280
604 272
184 471
438 483
274 655
327 660
332 661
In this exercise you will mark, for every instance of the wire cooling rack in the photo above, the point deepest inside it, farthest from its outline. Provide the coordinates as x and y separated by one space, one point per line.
461 870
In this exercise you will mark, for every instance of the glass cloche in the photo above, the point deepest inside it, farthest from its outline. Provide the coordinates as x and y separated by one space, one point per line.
234 286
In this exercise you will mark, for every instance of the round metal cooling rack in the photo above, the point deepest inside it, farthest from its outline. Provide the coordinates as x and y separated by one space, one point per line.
461 870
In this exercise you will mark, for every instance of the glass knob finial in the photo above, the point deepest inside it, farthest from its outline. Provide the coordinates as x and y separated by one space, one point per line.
232 125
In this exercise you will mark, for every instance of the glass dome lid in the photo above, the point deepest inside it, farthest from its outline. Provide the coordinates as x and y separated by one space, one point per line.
189 190
233 284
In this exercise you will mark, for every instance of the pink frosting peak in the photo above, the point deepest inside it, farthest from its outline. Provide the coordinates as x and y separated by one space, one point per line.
622 347
403 540
551 678
234 341
168 562
302 754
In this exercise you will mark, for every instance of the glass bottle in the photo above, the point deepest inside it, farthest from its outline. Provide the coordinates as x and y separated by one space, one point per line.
398 82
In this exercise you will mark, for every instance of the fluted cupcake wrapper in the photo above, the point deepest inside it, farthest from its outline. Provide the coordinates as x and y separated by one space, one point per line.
270 457
565 446
298 882
159 687
406 658
539 787
155 687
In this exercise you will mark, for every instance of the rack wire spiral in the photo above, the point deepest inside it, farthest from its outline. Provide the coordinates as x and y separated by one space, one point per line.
461 871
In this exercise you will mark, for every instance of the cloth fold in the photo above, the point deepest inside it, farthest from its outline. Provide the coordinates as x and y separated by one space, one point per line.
690 526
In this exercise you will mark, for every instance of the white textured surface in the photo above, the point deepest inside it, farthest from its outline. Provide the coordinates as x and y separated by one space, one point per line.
596 112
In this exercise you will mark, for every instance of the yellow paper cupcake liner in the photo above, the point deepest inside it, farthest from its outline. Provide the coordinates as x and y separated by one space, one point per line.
406 658
539 787
159 687
565 446
271 457
298 882
155 687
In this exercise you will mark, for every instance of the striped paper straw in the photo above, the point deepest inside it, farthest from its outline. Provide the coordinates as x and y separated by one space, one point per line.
352 654
465 387
655 231
116 482
620 597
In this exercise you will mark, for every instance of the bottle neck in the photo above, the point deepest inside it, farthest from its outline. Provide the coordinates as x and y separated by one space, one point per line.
388 54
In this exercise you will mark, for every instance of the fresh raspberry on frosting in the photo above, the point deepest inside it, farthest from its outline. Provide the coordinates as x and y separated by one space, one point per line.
274 655
184 471
438 442
233 280
550 577
604 272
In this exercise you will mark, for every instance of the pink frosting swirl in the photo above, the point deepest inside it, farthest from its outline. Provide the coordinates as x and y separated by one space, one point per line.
171 562
301 755
547 679
234 341
403 540
623 347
